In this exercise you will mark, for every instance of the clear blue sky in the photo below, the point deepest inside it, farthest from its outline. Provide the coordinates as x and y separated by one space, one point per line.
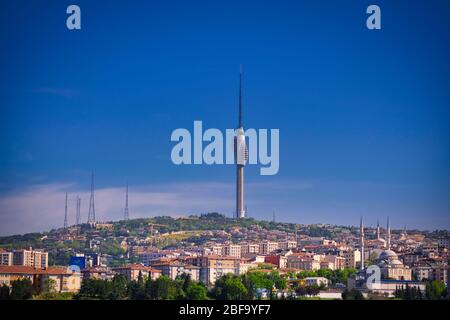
363 115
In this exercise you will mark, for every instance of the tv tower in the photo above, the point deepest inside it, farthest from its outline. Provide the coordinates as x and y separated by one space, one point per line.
65 214
91 216
126 215
241 156
78 220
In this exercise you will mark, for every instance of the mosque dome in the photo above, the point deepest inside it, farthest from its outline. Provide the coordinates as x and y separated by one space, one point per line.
388 255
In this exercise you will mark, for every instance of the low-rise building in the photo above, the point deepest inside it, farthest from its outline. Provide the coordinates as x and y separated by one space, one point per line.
316 281
63 279
131 272
98 272
174 269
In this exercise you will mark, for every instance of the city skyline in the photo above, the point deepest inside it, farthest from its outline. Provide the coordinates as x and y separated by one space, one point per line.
362 115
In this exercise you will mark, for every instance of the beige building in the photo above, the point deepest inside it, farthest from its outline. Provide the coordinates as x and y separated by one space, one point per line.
302 262
352 258
267 247
316 281
252 248
334 262
6 258
63 279
213 267
286 245
30 258
131 272
232 250
174 269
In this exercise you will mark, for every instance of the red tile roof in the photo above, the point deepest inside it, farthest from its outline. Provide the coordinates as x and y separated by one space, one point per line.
33 271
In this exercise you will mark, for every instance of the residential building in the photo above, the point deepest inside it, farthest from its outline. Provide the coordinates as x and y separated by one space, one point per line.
30 258
174 269
232 250
213 267
316 281
131 272
267 247
6 258
63 279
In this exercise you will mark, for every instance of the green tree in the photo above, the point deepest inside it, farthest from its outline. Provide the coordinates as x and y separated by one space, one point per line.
435 290
137 289
119 287
229 287
352 295
49 285
196 291
164 288
4 292
22 289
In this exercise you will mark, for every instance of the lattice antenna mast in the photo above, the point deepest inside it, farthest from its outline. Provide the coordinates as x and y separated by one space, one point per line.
65 214
91 216
126 214
78 210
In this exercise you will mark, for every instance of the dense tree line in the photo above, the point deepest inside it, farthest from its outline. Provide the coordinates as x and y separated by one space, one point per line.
162 288
434 290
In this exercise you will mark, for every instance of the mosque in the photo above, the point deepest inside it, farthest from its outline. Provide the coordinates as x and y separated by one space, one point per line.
388 262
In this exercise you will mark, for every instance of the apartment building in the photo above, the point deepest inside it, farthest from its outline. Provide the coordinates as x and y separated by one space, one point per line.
249 248
30 258
352 258
232 250
174 269
267 247
302 262
287 245
334 262
131 272
6 258
213 267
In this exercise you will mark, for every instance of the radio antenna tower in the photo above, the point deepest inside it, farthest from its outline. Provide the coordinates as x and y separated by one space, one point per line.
65 214
91 216
126 215
78 210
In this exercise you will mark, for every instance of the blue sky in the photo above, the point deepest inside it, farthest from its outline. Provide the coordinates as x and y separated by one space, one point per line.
363 115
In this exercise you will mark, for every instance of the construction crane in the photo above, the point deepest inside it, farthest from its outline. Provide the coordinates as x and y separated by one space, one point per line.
151 230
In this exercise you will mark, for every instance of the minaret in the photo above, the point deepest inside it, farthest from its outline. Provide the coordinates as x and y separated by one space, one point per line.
91 216
388 235
126 215
378 229
65 214
240 151
361 233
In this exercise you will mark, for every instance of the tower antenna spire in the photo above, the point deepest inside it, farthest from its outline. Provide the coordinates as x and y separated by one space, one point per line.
78 210
241 157
91 216
240 97
65 214
126 215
